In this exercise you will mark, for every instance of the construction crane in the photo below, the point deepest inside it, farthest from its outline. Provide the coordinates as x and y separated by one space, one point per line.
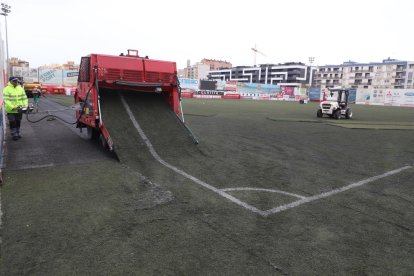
255 52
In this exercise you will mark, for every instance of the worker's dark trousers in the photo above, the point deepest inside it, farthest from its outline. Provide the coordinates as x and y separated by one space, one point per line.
14 123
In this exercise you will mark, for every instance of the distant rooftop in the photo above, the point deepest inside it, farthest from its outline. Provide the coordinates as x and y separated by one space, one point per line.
353 63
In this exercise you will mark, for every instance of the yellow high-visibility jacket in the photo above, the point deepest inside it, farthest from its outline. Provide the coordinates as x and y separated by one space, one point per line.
14 97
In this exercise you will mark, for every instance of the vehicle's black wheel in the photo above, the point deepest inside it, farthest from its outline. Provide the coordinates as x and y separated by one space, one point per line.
92 133
348 114
337 114
319 114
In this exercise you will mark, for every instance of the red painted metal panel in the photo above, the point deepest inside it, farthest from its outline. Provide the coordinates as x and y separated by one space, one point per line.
160 71
119 68
231 96
124 72
120 62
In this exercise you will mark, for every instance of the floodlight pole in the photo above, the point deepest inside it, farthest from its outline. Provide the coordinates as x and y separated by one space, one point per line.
6 9
311 60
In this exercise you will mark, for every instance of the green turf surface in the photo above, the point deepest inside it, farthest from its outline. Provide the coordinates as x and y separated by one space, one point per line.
364 117
375 126
291 111
64 100
106 218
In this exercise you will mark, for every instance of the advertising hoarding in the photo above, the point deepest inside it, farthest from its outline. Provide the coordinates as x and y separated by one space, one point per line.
70 77
257 88
189 84
51 76
314 94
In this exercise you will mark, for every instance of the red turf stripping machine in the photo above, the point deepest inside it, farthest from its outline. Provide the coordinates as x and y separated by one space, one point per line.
129 72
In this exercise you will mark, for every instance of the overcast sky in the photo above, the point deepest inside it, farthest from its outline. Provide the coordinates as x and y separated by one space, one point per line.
332 31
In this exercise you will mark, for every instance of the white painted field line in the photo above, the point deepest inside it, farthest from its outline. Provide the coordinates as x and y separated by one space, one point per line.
262 190
177 170
333 192
222 192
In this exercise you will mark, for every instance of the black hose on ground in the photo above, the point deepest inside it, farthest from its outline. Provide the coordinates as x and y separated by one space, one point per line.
52 116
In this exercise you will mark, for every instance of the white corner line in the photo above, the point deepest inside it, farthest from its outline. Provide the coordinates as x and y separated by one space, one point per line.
333 192
238 201
262 190
177 170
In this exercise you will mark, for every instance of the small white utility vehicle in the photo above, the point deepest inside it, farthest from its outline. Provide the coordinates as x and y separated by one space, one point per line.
336 106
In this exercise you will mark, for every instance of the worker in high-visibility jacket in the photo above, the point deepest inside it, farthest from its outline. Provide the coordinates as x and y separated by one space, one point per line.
15 99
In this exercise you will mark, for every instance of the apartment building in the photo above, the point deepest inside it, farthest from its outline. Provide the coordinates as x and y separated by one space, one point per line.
287 74
16 62
388 74
201 69
216 64
196 71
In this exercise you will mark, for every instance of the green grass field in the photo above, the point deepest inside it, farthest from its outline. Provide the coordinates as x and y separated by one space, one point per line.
61 99
269 190
289 111
293 111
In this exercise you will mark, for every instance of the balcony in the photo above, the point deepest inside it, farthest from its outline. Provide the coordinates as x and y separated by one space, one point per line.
335 77
360 71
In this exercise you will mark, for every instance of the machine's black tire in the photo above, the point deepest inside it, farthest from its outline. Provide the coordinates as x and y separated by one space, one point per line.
92 133
337 114
348 114
319 114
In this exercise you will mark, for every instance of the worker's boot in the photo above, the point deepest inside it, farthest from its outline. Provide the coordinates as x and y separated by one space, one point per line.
14 134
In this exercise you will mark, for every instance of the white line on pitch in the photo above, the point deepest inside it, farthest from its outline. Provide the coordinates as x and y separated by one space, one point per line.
262 190
278 209
333 192
177 170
